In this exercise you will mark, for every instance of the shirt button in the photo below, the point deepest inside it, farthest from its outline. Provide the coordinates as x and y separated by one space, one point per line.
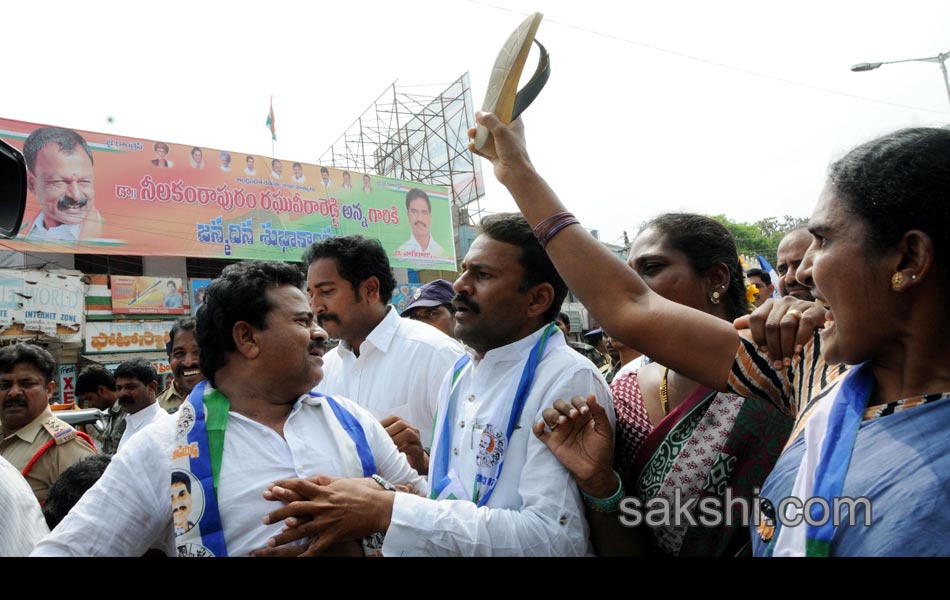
462 424
471 398
456 451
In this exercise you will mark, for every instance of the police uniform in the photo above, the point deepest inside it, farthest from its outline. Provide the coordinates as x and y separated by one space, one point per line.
22 445
170 399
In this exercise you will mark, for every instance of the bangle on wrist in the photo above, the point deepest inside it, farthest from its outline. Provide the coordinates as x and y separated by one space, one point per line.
605 505
551 226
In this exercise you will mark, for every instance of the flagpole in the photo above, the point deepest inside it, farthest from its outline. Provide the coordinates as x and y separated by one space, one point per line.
271 126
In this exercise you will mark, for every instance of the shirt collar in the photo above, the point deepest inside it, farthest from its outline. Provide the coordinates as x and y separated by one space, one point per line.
28 432
143 415
175 392
517 350
381 337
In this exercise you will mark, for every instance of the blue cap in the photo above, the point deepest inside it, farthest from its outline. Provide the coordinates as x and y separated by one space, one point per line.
434 293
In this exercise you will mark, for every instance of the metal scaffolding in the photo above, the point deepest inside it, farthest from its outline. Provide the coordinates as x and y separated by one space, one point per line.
413 135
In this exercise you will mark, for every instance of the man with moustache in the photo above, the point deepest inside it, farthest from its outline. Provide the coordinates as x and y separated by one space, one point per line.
38 444
183 358
507 298
261 350
276 169
136 382
391 366
60 173
420 244
791 251
95 388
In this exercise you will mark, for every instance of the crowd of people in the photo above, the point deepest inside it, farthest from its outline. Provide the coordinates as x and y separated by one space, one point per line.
470 424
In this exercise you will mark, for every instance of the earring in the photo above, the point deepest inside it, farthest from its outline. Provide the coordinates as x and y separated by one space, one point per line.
913 277
715 297
896 280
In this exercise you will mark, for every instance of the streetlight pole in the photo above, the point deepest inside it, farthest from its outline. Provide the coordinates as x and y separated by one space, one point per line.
940 59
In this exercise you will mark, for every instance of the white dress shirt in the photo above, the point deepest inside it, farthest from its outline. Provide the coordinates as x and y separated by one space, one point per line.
21 521
536 508
412 245
63 232
399 370
129 509
142 419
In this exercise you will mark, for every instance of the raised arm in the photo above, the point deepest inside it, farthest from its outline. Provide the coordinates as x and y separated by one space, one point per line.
667 332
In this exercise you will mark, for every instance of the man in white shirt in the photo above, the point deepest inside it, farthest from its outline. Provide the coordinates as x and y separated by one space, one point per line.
298 175
249 169
391 366
261 351
325 178
136 382
507 297
21 520
419 211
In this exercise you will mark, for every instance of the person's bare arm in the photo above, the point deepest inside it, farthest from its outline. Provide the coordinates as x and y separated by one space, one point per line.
669 333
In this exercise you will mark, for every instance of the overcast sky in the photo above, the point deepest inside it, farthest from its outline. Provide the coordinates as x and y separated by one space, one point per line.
716 107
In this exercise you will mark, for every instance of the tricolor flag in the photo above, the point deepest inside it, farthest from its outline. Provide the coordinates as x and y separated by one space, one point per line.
764 264
270 120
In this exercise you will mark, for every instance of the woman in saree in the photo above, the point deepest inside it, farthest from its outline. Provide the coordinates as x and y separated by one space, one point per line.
673 433
875 434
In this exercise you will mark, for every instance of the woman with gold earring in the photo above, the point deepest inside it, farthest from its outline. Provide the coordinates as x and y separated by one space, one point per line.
876 436
673 432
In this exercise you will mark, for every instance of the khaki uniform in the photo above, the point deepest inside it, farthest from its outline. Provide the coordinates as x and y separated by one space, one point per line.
20 446
170 399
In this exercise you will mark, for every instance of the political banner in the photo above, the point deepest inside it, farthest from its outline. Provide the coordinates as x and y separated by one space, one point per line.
98 193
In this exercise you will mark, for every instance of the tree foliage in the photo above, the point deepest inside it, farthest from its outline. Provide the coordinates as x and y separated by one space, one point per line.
761 237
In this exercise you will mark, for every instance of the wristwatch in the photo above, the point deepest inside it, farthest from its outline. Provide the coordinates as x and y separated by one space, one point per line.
383 483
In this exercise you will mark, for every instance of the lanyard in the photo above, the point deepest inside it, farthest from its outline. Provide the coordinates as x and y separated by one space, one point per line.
489 475
844 420
210 409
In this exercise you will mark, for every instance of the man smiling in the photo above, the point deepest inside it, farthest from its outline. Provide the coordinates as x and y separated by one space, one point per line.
183 359
60 174
262 352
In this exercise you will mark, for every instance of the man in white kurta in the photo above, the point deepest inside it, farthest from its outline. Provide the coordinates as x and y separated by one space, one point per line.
507 297
535 509
21 520
128 510
275 428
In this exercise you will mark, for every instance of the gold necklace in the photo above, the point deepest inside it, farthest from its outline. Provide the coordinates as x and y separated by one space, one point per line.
664 397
